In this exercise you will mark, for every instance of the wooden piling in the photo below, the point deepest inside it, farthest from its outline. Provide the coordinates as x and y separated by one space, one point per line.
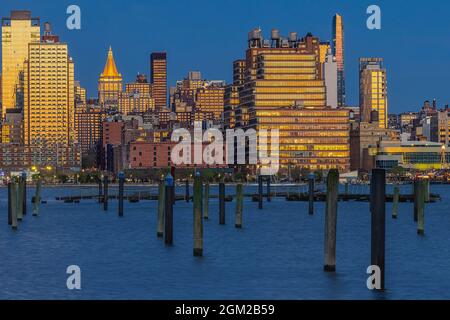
206 202
186 194
311 178
421 196
378 225
100 191
105 192
168 210
10 190
198 219
37 198
331 220
173 174
14 205
222 203
239 205
121 191
24 196
161 203
427 190
260 192
19 200
395 202
269 198
416 199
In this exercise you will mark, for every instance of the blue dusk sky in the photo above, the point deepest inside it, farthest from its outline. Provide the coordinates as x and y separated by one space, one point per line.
207 35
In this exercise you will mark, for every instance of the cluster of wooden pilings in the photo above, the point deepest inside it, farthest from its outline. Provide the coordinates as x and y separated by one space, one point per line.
378 216
17 209
17 200
166 201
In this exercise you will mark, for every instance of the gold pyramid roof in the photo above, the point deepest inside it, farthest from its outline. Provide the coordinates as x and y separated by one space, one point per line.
110 66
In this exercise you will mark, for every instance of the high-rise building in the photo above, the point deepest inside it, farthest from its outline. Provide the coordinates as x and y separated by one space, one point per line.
158 63
338 52
210 98
198 96
373 90
88 122
440 127
18 30
80 94
231 96
49 101
364 135
109 83
137 97
330 73
12 127
284 90
231 102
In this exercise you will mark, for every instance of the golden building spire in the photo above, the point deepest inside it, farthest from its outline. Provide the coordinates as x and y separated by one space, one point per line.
110 82
110 69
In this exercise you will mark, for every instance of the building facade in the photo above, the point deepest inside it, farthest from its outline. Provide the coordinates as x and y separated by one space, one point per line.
158 63
338 52
18 30
373 90
109 82
49 102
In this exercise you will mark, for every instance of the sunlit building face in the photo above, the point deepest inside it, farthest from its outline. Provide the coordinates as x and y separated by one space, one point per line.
18 31
373 90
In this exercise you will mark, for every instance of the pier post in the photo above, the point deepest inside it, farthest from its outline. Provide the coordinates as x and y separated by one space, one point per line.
105 192
160 229
378 232
10 190
100 190
24 196
121 190
416 199
173 172
331 220
239 205
37 197
260 192
311 178
14 207
168 210
268 190
198 219
222 203
186 194
206 202
19 204
421 195
395 202
427 190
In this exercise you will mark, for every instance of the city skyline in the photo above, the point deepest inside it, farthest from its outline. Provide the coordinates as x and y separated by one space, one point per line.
407 87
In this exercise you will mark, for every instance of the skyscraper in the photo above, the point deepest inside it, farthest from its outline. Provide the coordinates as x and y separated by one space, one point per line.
338 52
18 31
137 97
210 98
373 90
110 82
285 90
158 66
49 102
330 75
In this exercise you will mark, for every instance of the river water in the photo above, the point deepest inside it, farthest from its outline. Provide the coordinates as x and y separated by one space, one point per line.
277 255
